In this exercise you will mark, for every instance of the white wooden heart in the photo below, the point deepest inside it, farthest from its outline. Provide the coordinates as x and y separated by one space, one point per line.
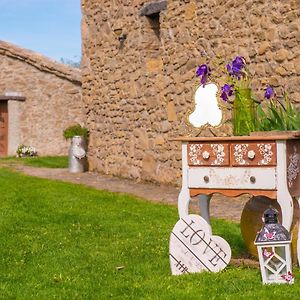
193 249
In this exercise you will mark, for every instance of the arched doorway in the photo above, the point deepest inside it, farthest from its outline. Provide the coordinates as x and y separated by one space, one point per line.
3 127
9 122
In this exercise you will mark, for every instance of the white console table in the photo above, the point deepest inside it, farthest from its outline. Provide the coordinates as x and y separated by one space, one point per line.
257 165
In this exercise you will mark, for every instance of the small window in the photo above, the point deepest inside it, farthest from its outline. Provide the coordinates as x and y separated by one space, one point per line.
152 10
155 24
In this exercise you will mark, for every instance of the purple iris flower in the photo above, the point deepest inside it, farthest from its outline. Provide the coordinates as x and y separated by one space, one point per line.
238 64
227 91
269 92
236 67
203 71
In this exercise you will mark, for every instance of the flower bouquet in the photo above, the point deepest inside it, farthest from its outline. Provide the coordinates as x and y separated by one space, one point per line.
248 112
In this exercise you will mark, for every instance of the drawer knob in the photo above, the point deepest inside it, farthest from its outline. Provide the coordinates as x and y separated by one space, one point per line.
205 155
206 179
251 154
253 179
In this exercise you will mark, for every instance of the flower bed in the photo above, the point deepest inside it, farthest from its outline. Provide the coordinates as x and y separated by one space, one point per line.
26 151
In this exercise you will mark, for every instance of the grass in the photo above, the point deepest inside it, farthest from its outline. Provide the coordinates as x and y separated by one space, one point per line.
38 161
66 241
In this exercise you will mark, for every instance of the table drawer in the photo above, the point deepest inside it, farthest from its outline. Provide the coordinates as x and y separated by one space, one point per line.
232 178
253 154
208 154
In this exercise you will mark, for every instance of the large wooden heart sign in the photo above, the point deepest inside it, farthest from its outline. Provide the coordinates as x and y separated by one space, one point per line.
194 249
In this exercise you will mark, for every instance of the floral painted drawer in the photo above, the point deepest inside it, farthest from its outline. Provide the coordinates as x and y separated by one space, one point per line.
232 154
253 154
232 178
208 154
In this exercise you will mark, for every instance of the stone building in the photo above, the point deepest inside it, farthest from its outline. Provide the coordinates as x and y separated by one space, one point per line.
39 98
139 63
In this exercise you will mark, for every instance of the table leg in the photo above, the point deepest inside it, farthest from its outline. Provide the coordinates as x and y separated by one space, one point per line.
285 201
204 201
183 202
298 238
284 197
184 195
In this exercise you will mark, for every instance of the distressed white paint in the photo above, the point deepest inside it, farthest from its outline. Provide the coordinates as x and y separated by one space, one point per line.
298 239
232 178
284 198
184 195
276 267
194 249
294 167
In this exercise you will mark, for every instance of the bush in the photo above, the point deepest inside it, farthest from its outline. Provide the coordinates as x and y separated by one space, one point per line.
24 151
74 130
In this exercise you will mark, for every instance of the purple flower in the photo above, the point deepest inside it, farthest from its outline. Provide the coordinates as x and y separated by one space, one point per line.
269 92
203 71
226 92
236 67
238 64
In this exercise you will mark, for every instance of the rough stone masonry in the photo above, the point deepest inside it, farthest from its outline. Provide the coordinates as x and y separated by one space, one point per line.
138 73
52 93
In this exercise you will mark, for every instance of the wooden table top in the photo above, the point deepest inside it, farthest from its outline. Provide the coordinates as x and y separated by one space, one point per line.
259 136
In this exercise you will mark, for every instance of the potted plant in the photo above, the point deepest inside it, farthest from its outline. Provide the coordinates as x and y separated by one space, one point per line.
76 130
249 114
78 148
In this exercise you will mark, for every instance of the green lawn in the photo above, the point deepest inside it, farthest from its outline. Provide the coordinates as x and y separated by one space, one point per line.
38 161
66 241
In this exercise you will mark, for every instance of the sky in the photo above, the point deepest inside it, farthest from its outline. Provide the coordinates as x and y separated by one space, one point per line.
50 27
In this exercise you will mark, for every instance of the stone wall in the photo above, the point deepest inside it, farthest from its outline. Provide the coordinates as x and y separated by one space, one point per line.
52 94
139 72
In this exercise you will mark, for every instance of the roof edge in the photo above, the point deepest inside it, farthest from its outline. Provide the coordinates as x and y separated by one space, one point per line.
41 62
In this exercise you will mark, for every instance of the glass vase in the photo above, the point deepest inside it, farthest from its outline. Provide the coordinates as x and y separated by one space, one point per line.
243 112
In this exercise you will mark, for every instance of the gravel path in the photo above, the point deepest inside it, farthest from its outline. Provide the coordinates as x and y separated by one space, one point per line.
221 207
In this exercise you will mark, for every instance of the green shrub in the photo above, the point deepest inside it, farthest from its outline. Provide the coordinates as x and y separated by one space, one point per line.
74 130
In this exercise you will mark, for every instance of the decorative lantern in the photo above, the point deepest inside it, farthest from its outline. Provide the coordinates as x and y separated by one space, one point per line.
274 250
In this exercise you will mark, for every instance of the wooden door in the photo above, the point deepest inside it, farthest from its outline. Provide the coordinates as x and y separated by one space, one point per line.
3 128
